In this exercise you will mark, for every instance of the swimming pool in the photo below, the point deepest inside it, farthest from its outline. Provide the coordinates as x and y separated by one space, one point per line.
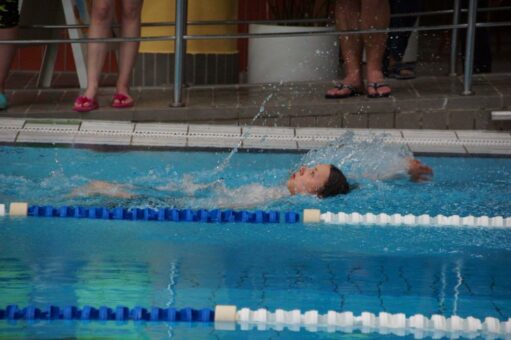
426 270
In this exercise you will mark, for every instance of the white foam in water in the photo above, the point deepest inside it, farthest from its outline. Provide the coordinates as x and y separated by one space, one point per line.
216 195
383 323
412 220
362 157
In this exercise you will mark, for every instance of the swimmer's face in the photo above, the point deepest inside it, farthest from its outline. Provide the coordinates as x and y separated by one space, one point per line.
309 180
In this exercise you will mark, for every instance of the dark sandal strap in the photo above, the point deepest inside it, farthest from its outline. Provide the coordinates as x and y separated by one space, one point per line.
341 86
376 86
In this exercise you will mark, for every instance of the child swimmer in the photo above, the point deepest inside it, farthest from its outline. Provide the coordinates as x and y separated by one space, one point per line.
323 180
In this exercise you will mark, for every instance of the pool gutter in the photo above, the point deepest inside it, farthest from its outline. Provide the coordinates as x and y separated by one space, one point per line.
224 137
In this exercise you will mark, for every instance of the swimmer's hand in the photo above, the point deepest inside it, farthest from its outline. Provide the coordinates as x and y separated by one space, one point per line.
419 172
102 188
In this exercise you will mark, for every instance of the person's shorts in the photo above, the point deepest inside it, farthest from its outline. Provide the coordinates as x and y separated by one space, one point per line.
9 15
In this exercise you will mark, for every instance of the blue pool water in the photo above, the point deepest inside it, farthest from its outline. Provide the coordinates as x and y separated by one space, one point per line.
427 270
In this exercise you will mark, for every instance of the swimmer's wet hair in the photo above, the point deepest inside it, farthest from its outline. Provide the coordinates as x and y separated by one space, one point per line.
336 184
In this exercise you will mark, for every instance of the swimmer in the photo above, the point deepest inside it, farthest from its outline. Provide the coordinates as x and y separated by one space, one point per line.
323 180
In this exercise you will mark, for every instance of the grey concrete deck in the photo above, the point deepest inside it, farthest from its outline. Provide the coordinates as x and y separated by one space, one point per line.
199 136
424 103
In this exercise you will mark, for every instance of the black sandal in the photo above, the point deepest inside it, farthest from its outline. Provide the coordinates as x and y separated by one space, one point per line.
376 86
339 86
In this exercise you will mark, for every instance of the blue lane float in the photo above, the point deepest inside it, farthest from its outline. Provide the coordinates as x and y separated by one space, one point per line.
103 313
165 214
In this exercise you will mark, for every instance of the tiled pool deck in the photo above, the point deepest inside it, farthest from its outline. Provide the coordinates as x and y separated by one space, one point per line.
427 114
424 103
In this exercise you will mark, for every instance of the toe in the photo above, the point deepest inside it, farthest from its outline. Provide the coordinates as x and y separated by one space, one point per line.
384 90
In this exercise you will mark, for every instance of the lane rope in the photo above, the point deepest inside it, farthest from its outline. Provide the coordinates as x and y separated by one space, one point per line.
315 216
103 313
227 316
367 322
256 216
149 214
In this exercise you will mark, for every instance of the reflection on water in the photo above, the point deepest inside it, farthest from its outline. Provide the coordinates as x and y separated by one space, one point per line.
173 275
179 265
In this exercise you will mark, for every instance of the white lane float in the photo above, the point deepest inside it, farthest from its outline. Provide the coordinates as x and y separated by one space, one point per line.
367 322
315 216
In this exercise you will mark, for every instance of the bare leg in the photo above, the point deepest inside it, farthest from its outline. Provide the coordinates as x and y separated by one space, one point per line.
347 17
101 20
375 14
131 11
6 54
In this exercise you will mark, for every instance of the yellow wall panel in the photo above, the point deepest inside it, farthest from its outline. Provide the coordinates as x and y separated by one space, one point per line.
198 10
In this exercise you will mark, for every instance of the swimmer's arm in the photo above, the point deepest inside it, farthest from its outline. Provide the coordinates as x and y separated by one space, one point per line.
103 188
416 170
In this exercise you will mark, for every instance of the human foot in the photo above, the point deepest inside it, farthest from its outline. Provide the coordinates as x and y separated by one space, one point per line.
345 88
85 104
376 87
373 90
121 100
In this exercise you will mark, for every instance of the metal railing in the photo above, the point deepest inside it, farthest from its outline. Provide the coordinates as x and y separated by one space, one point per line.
287 21
181 36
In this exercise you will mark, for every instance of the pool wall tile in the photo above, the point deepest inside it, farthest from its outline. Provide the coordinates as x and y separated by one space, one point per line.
45 137
51 127
302 121
435 120
268 131
322 132
435 148
409 120
11 123
214 129
489 149
274 144
310 144
464 134
462 119
355 120
375 132
161 128
220 142
8 136
107 126
159 140
382 120
98 139
331 121
429 134
229 136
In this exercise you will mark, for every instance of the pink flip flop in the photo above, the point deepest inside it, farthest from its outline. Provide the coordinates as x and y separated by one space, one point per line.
121 101
81 100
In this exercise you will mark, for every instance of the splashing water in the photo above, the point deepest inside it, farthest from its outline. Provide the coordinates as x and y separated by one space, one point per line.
176 184
246 132
369 158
